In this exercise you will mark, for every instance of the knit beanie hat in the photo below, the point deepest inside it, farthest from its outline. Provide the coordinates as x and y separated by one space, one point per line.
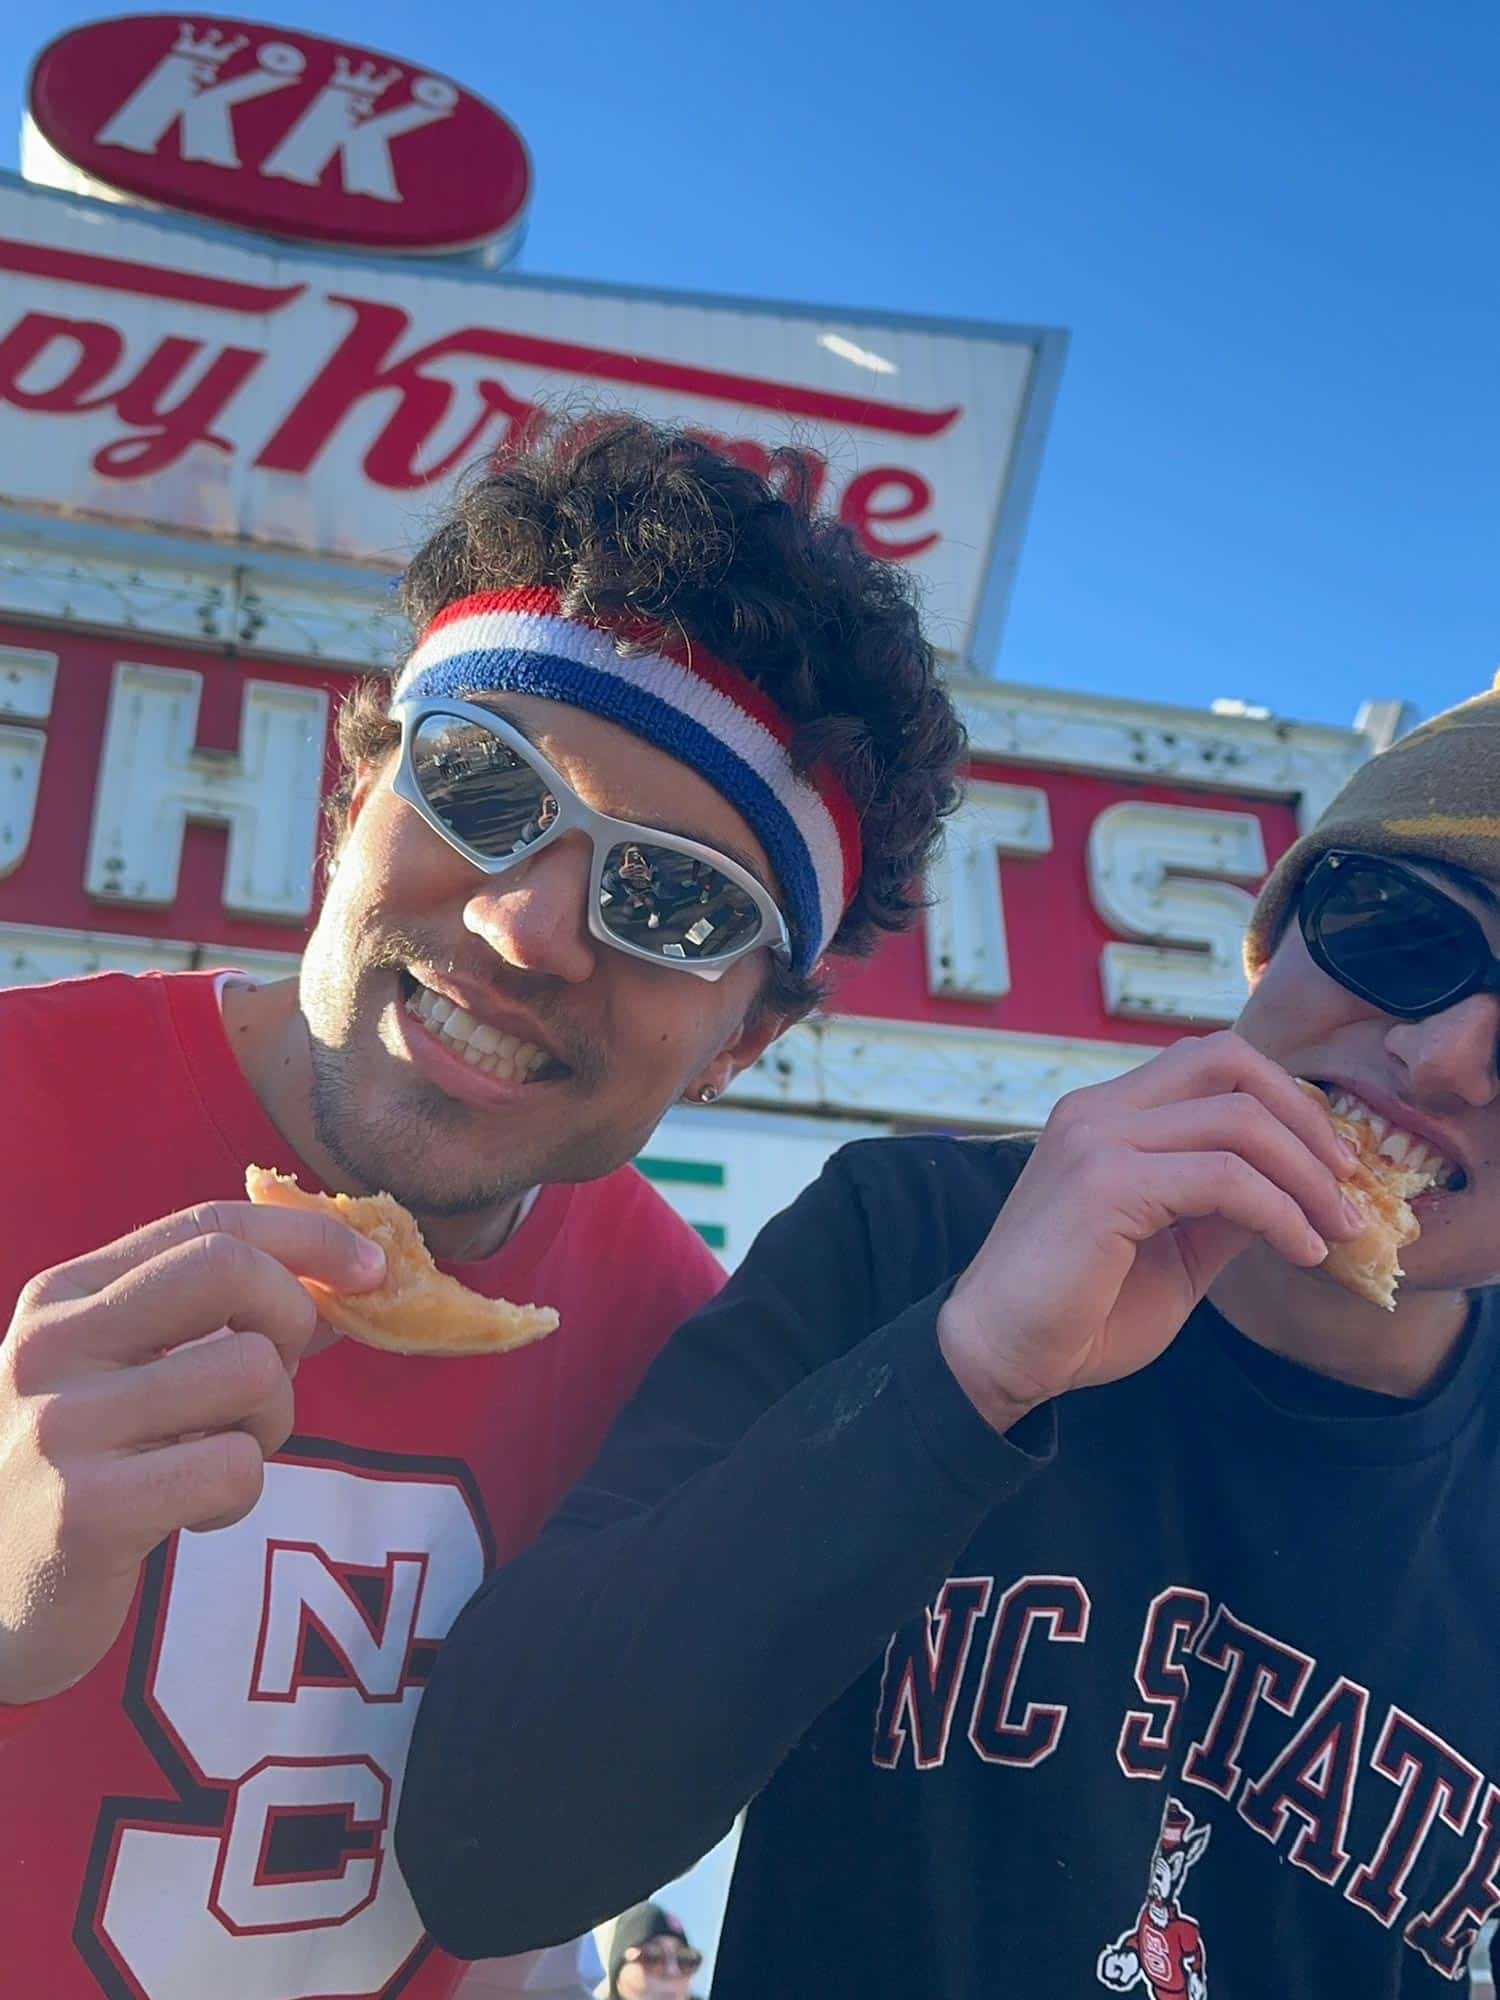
1433 796
638 1926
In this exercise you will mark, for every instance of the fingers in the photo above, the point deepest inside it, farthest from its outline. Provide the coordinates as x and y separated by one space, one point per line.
1208 1247
311 1244
1213 1066
120 1507
1173 1187
238 1381
325 1336
208 1482
1241 1124
188 1291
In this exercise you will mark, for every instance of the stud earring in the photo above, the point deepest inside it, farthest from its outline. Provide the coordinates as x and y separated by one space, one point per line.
707 1094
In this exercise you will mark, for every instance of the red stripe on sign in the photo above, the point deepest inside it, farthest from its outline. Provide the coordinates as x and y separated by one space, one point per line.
146 281
605 365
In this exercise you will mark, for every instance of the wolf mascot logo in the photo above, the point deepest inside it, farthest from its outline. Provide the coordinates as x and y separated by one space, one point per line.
1163 1951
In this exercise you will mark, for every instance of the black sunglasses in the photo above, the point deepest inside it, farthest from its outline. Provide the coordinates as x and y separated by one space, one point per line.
1393 938
665 1957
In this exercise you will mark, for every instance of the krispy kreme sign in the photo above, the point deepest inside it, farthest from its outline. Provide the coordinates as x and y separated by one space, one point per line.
274 129
154 793
155 375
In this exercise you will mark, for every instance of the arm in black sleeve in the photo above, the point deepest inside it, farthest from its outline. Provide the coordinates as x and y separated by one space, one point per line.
788 1488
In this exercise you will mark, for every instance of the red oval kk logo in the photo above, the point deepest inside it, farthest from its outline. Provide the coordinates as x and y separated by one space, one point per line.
280 131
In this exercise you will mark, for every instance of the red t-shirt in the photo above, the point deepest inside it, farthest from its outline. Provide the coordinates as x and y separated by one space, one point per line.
208 1815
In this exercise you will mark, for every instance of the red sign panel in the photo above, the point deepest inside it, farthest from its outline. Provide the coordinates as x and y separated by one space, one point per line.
44 878
162 793
1056 935
277 130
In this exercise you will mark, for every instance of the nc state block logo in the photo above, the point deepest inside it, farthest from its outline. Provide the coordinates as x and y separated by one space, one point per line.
278 130
1163 1952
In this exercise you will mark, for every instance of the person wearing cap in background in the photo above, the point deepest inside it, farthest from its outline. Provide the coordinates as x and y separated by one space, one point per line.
625 644
650 1957
1085 1593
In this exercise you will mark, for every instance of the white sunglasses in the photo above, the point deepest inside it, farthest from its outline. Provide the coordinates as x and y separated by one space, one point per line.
493 796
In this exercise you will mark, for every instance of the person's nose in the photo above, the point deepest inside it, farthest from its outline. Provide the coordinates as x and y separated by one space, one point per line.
1450 1058
535 915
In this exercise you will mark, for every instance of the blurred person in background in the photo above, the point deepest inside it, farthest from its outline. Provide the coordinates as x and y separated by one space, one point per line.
650 1957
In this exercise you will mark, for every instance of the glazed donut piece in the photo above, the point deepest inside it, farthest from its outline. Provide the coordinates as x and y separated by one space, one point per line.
418 1309
1382 1188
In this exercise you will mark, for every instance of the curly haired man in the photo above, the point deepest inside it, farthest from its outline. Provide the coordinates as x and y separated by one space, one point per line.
664 741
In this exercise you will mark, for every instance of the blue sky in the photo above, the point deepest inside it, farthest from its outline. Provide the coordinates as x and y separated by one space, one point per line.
1271 232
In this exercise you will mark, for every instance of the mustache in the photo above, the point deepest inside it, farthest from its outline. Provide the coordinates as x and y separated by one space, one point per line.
399 948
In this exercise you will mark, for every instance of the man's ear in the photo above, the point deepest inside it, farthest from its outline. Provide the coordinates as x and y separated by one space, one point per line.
365 775
755 1035
1255 975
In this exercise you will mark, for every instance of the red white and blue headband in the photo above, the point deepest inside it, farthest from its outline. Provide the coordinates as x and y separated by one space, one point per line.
697 709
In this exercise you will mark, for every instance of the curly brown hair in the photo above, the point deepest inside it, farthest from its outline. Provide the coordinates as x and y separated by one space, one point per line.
633 521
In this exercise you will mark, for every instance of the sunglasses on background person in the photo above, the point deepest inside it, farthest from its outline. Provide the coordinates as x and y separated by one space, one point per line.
662 1955
1393 938
491 794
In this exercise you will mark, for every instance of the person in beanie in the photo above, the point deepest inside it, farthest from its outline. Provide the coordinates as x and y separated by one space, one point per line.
1083 1591
650 1957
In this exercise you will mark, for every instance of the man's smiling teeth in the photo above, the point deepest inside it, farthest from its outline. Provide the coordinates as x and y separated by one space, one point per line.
483 1047
1402 1147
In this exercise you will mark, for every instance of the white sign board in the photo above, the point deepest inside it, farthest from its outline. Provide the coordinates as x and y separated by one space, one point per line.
163 374
727 1172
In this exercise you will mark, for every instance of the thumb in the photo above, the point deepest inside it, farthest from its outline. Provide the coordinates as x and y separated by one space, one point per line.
323 1336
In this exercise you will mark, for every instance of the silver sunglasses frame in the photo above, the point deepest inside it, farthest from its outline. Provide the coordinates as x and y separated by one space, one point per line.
601 831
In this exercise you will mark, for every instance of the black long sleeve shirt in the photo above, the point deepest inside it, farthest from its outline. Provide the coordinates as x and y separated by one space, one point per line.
1185 1688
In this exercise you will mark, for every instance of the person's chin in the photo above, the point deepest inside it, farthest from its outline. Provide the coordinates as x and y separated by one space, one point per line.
1470 1276
419 1152
1447 1266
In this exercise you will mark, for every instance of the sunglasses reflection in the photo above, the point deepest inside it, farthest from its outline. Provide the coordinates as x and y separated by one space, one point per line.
688 903
480 788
